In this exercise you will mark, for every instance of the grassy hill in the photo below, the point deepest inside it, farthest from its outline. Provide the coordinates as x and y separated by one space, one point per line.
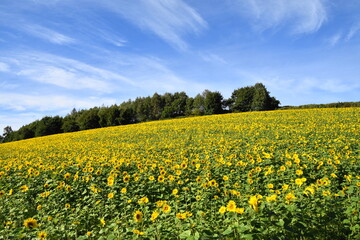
291 174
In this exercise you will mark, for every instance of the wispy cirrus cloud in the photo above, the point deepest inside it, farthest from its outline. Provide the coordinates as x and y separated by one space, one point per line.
305 16
64 72
170 20
46 102
355 29
4 67
47 34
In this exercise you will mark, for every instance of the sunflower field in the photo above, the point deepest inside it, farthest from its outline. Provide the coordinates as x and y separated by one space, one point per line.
290 174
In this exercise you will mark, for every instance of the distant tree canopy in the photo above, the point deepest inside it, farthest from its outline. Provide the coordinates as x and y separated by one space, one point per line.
253 98
168 105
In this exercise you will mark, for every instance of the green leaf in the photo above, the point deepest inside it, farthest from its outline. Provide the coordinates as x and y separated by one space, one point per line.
81 238
197 236
111 237
281 223
227 231
248 236
185 234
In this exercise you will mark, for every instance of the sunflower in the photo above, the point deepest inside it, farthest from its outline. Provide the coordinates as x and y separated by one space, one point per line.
231 206
289 197
143 200
253 201
110 180
30 223
166 208
161 178
24 188
123 190
138 216
181 215
67 175
126 178
154 215
240 210
222 209
111 195
42 235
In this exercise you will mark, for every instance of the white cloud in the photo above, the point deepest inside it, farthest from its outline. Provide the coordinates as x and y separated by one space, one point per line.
21 102
353 31
170 20
47 34
212 58
303 16
4 67
65 72
334 39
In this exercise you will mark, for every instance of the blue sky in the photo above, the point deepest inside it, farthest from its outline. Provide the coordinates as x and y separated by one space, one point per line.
56 55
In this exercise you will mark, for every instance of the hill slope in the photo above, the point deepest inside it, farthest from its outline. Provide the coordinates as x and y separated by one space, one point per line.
259 174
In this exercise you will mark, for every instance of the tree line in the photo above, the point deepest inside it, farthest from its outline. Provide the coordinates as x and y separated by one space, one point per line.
142 109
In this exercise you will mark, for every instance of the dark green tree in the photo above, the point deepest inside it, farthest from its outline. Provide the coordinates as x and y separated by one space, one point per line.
157 106
89 119
241 99
48 125
70 124
179 104
198 105
213 102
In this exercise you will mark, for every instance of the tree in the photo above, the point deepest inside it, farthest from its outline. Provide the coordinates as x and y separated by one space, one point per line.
70 124
212 102
189 106
179 104
7 131
157 106
241 99
49 125
198 105
89 119
252 98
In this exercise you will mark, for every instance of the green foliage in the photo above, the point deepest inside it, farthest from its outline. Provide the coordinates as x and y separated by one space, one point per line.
144 109
253 98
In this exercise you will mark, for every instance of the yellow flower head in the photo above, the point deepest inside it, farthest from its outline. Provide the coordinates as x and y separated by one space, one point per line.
253 201
271 198
240 210
231 206
126 178
110 195
154 215
289 197
123 190
166 208
222 209
161 178
42 235
138 216
143 200
30 223
24 188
